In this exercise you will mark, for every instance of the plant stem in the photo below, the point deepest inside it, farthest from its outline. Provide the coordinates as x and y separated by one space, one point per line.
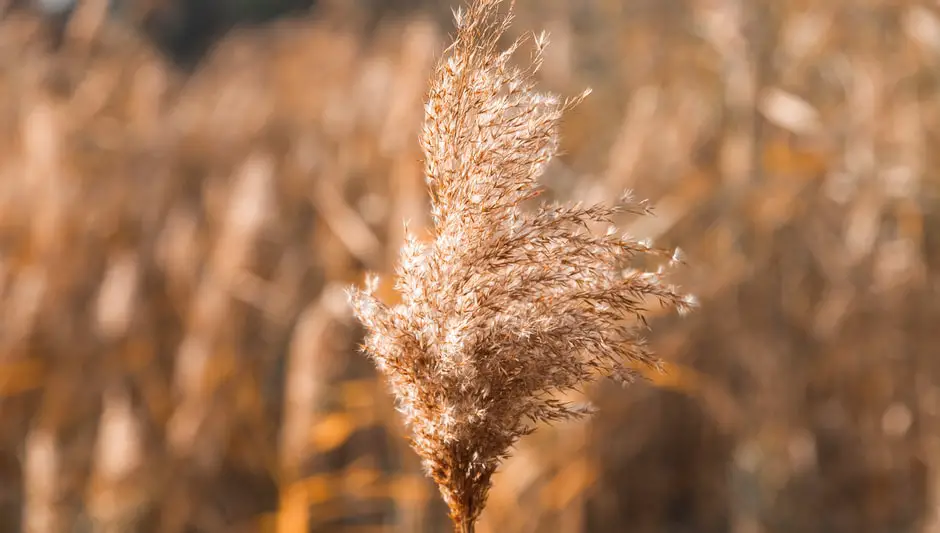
466 525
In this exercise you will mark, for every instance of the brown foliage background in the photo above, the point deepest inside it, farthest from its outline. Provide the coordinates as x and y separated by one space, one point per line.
175 350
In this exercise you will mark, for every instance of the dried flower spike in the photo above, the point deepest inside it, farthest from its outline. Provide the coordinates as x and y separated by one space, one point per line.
505 308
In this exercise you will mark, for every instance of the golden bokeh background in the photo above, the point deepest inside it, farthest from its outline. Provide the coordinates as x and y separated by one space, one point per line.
186 191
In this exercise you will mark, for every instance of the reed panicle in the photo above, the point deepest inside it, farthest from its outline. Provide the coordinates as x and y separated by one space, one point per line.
505 307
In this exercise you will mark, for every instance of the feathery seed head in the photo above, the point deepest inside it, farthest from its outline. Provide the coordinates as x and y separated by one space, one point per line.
504 308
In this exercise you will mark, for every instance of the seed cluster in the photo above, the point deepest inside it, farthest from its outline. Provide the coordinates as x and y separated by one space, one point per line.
505 307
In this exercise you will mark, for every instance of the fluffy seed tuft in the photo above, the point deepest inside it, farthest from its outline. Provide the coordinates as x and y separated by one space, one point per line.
505 308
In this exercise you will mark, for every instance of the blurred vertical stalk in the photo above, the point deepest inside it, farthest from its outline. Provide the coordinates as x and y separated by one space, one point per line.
740 31
116 494
85 22
206 355
42 179
41 513
310 370
928 407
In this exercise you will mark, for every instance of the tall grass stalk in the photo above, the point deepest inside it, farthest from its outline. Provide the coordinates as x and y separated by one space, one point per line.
505 307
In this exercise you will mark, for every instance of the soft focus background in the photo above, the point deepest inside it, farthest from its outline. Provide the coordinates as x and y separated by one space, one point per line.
188 185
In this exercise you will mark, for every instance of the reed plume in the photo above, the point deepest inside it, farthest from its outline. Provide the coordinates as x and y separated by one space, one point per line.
505 307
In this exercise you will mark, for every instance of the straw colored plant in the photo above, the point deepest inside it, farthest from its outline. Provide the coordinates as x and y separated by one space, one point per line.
506 307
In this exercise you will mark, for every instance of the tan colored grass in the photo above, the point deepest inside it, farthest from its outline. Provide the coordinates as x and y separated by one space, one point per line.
803 395
505 307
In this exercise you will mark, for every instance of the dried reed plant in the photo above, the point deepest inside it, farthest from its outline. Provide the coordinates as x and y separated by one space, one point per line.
506 307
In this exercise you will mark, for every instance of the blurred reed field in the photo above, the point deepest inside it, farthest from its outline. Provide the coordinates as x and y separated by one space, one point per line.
177 355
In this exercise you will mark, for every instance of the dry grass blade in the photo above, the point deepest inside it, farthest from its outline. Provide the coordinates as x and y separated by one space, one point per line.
506 307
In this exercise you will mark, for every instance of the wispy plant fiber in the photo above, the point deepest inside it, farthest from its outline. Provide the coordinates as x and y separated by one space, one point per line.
505 307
